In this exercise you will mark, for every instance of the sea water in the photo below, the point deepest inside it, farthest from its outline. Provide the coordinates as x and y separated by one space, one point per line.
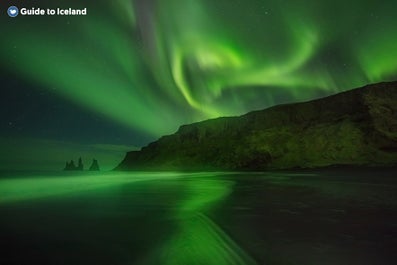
197 218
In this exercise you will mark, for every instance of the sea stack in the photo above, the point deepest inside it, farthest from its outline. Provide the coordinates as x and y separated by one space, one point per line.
80 166
70 166
94 166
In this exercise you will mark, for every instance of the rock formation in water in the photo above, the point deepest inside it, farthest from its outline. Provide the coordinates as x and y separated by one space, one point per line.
80 166
357 127
94 166
70 166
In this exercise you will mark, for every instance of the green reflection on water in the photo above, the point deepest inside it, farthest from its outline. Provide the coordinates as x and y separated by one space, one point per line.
14 189
199 240
196 240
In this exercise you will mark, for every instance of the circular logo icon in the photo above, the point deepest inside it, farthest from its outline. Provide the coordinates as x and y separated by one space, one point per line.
13 11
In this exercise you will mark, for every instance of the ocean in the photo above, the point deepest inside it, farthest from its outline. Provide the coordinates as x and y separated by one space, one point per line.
326 217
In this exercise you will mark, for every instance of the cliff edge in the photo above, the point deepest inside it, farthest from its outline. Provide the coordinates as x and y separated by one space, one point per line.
357 127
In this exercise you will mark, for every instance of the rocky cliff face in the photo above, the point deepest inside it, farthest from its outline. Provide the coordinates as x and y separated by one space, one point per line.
358 127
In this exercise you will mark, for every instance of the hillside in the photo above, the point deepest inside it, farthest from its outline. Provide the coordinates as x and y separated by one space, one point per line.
357 127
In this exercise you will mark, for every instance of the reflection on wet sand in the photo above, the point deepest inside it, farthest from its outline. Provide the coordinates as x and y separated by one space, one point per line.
199 240
171 218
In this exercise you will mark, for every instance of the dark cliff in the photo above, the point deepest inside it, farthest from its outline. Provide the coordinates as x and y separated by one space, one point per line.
357 127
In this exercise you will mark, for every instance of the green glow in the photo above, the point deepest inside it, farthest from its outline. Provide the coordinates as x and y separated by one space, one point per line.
38 187
40 154
197 239
155 65
201 241
204 192
379 58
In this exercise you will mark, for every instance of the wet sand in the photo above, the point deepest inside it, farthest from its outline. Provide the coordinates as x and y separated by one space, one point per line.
321 218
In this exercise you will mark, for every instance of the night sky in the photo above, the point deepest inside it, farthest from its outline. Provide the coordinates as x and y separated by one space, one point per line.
131 71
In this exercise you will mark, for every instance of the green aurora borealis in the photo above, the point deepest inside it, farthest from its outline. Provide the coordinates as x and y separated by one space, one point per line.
154 65
100 85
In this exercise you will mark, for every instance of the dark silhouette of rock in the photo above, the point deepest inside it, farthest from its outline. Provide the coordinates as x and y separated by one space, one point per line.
357 127
94 166
70 166
66 166
80 165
